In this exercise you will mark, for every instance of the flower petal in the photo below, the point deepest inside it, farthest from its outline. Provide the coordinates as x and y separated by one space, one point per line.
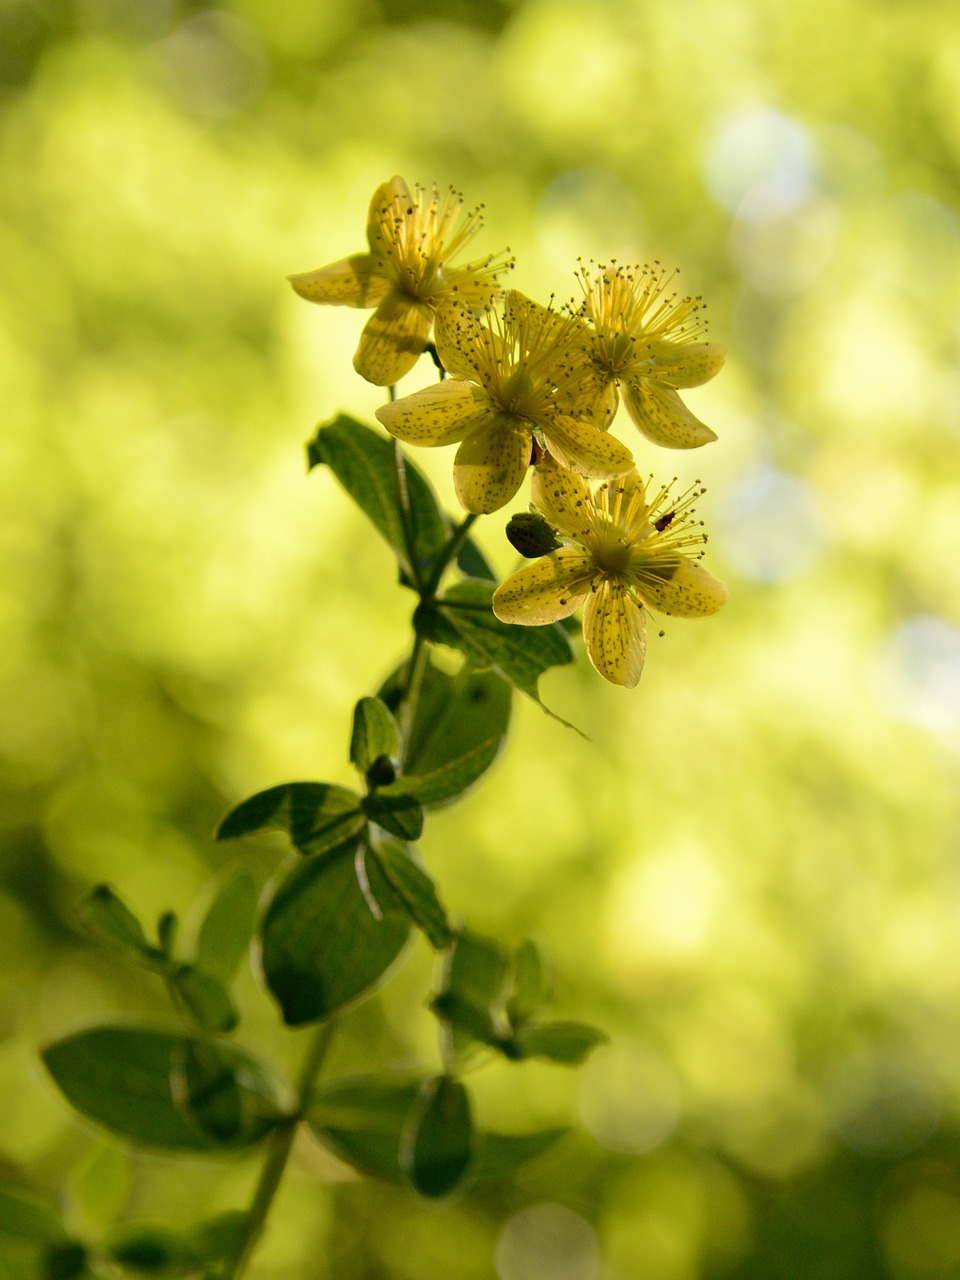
560 496
545 591
615 631
437 415
357 281
389 199
687 364
464 344
392 340
684 589
663 417
491 463
584 449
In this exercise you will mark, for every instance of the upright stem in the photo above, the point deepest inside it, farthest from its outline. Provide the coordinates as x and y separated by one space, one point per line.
279 1147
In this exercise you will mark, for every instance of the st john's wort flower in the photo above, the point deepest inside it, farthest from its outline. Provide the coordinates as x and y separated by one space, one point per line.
514 380
645 343
621 555
407 273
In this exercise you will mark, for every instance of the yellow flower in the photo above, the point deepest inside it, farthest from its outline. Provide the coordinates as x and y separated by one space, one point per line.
406 275
514 381
645 341
622 555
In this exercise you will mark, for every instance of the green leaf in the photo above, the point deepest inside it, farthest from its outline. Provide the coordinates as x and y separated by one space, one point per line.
499 1154
387 486
415 889
565 1042
97 1188
375 734
361 1121
396 811
205 1085
153 1250
26 1217
167 926
464 1016
227 927
437 1143
519 654
473 563
66 1261
109 919
530 983
123 1078
204 997
476 970
317 816
458 728
322 945
218 1237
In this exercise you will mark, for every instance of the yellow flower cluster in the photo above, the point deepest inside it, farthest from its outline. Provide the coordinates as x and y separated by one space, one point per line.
524 385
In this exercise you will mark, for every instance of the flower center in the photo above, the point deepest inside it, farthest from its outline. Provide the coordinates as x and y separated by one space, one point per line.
611 554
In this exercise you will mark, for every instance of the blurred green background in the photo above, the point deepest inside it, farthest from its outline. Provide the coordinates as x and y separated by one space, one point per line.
749 877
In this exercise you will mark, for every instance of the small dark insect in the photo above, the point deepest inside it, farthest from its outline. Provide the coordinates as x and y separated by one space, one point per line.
530 534
663 521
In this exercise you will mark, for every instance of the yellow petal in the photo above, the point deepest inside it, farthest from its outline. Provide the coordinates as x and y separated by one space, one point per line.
490 464
560 496
393 340
464 343
615 631
663 417
388 201
687 364
437 415
351 282
686 590
584 449
545 591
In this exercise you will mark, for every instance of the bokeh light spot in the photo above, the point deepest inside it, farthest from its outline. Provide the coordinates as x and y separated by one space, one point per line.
882 1103
770 527
548 1242
629 1099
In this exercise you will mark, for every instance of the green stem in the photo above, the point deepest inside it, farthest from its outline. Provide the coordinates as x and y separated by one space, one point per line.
455 542
279 1147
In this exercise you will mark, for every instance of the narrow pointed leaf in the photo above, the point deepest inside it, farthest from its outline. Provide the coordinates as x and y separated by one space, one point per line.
204 997
458 729
322 945
437 1143
105 916
519 654
316 815
375 734
416 890
361 1121
500 1154
123 1078
477 1022
394 495
227 927
471 992
567 1043
530 983
473 563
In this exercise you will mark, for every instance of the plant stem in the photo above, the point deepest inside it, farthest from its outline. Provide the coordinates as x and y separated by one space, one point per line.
279 1147
456 541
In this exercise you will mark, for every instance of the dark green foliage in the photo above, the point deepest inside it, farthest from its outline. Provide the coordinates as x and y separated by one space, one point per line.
204 998
316 815
531 985
437 1144
322 944
567 1043
463 618
374 734
389 489
396 810
110 920
27 1217
66 1261
458 728
366 1121
227 927
415 890
150 1249
134 1082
